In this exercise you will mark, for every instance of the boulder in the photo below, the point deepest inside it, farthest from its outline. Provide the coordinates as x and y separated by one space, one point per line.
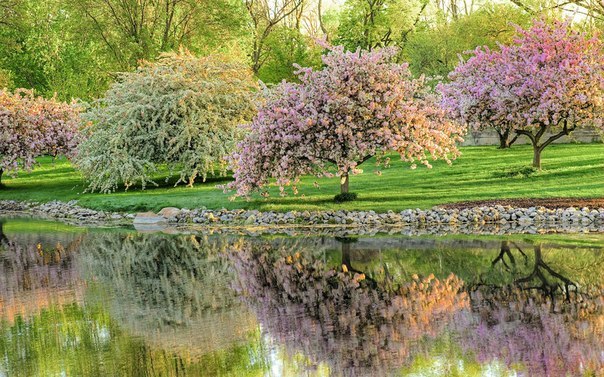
169 212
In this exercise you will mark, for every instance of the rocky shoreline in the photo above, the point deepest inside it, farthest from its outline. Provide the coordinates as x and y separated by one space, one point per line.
486 219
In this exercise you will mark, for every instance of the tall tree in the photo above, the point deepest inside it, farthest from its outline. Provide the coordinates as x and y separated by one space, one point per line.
41 48
141 29
285 47
434 48
265 17
378 23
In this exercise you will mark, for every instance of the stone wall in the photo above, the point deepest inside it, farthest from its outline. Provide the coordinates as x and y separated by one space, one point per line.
490 137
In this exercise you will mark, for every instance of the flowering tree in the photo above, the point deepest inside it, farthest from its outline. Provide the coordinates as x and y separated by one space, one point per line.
550 80
31 126
181 112
359 105
473 95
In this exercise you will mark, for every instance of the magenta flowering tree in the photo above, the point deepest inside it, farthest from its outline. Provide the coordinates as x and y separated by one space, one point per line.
549 82
473 95
31 126
360 105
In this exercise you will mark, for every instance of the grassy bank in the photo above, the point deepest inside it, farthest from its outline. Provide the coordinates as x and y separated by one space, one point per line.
570 170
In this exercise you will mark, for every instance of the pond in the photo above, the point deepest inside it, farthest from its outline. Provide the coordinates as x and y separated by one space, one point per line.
114 302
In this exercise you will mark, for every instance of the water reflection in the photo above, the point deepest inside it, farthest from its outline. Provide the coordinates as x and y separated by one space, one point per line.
80 302
549 319
169 290
37 271
365 326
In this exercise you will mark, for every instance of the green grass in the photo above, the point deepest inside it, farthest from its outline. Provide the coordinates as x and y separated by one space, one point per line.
569 170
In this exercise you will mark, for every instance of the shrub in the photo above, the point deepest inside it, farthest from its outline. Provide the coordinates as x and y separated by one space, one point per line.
180 112
345 197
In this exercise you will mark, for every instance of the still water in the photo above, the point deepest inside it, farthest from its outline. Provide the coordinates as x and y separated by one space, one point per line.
92 302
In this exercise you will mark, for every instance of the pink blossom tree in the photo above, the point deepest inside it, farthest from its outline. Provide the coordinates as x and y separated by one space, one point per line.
549 81
473 94
31 126
360 105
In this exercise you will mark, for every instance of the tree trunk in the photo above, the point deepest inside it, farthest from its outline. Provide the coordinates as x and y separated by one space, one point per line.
503 142
346 255
344 179
536 157
504 139
1 171
537 149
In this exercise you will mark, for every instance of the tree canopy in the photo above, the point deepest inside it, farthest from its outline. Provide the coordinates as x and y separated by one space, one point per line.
181 112
360 105
549 80
31 126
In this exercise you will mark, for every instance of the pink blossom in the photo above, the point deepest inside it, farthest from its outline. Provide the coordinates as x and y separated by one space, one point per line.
360 104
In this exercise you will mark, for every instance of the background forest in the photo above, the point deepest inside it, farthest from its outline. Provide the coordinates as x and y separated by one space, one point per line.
74 48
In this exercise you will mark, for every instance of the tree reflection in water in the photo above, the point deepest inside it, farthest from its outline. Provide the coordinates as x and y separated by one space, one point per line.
168 304
154 305
542 321
533 318
364 326
171 290
37 271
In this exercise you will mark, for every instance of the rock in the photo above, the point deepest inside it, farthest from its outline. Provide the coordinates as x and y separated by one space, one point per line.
169 212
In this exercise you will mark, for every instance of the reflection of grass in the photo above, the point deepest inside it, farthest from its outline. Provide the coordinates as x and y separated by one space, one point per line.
26 225
85 341
446 358
570 170
473 261
586 240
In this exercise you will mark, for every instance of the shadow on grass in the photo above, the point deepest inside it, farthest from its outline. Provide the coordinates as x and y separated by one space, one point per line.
48 173
170 182
329 200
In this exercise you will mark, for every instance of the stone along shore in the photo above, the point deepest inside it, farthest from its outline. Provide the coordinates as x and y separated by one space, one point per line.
502 216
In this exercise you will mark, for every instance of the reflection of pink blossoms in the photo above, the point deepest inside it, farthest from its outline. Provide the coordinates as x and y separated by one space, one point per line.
358 106
31 126
345 318
518 328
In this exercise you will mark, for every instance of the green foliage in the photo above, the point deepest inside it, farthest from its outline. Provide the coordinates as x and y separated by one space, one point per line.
6 80
182 112
345 197
131 30
370 24
71 47
42 48
287 47
435 50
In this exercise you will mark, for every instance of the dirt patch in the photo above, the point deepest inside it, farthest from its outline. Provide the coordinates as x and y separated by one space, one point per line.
531 202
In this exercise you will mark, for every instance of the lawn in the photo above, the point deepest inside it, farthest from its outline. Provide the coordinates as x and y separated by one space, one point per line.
569 170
